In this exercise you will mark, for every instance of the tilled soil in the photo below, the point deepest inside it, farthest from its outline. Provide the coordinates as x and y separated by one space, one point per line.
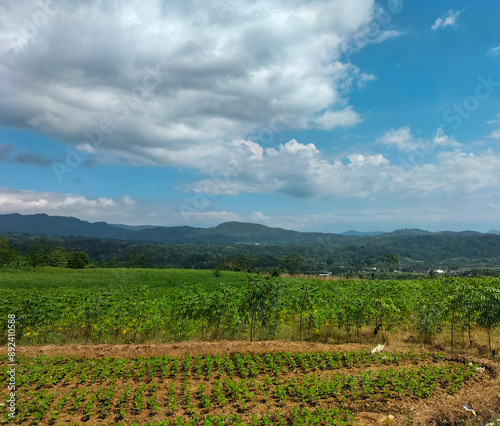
481 393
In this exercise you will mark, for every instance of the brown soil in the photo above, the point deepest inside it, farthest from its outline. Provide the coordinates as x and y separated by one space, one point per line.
482 393
184 348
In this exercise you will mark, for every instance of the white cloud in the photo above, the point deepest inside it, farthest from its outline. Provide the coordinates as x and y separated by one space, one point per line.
85 202
440 139
172 85
23 201
13 205
386 35
123 210
493 52
495 120
401 138
446 210
365 78
301 170
259 217
449 19
343 118
128 200
495 134
255 149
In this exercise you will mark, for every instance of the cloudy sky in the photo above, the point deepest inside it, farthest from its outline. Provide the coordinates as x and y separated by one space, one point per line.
321 115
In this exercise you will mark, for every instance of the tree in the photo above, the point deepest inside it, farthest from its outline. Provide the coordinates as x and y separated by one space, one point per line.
78 260
261 300
391 260
489 310
291 263
7 254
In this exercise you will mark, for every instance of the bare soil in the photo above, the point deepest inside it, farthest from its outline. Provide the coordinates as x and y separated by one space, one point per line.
184 348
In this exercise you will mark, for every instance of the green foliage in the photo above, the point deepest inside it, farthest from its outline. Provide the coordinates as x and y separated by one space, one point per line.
291 263
133 391
56 305
7 253
430 312
467 255
261 303
78 260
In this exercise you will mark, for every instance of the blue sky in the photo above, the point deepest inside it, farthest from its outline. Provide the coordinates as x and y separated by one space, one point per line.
319 115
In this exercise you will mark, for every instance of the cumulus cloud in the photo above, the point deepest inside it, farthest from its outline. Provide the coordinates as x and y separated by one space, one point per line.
301 170
495 120
343 118
449 19
119 210
401 138
259 217
495 134
24 201
150 82
85 202
440 139
493 52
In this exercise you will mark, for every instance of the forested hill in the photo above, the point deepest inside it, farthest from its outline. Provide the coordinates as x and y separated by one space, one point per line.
230 233
225 233
244 245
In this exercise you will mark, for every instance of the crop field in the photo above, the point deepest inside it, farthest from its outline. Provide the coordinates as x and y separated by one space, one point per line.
173 347
283 388
54 306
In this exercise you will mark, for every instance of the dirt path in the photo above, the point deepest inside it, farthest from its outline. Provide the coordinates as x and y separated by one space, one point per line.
184 348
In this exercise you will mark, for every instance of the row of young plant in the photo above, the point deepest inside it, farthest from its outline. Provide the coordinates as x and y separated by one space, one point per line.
45 372
260 308
194 399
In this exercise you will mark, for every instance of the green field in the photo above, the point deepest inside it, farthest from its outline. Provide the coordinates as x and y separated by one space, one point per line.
63 306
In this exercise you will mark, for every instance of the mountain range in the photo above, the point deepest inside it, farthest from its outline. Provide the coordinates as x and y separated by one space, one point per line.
225 233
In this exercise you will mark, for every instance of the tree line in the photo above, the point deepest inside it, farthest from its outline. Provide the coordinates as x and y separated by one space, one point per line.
40 255
375 257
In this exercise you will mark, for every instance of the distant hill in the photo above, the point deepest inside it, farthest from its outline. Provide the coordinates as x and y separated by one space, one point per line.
225 233
190 247
494 231
42 224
